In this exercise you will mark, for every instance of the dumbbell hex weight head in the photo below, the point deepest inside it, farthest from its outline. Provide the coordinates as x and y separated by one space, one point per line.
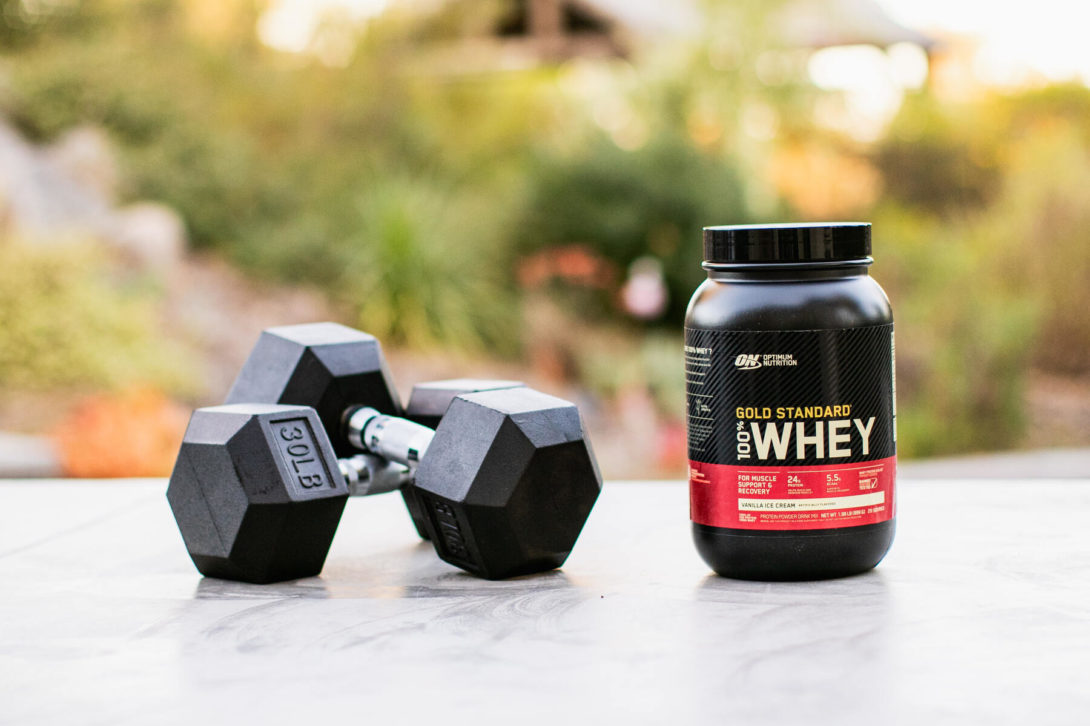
257 492
326 366
507 482
503 486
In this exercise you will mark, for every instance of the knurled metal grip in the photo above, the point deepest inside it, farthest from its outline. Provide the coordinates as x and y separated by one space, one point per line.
394 439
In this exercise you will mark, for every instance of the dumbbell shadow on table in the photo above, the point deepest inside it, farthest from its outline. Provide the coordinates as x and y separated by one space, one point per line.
505 484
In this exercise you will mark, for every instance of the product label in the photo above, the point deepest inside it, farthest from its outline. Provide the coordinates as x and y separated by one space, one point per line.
791 429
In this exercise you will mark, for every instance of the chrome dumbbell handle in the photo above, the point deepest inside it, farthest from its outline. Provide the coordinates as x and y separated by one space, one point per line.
394 439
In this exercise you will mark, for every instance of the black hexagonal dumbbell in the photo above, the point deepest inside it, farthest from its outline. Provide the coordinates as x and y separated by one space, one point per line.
505 484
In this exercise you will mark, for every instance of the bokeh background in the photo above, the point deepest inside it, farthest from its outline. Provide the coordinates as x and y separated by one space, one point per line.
516 188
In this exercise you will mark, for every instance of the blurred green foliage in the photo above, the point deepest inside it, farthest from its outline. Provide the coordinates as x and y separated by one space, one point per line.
629 204
940 158
433 269
1039 226
69 320
963 336
614 364
984 254
412 191
364 180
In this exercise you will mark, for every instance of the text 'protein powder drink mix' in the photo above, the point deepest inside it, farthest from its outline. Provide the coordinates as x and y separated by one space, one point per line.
789 363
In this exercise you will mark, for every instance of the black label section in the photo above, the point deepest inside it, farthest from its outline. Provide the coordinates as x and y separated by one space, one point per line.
798 397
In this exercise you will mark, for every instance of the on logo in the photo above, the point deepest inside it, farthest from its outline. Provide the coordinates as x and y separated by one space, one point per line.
747 362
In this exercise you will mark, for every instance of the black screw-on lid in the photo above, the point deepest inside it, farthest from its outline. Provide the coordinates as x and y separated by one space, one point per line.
787 243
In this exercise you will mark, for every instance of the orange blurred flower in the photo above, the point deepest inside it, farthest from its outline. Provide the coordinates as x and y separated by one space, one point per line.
133 433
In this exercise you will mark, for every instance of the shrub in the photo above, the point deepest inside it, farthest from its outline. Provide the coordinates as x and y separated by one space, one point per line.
68 320
964 335
428 267
628 204
941 158
1038 228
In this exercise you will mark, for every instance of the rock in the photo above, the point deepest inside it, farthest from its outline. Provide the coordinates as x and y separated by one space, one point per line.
66 191
152 234
86 156
40 202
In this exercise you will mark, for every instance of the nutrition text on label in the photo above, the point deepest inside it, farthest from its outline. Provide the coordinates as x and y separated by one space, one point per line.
699 413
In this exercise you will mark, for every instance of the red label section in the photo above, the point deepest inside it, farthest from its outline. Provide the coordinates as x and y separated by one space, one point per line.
792 497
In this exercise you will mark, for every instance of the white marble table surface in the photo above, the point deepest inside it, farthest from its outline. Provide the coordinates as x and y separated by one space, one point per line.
980 614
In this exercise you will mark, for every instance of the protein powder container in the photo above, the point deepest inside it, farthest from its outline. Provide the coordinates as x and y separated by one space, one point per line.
789 363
